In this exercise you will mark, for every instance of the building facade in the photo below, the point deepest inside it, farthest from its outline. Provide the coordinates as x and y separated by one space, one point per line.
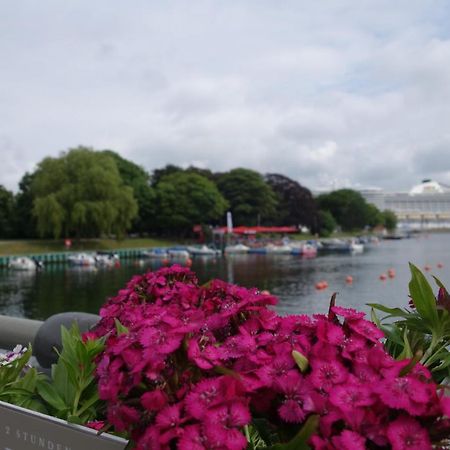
426 206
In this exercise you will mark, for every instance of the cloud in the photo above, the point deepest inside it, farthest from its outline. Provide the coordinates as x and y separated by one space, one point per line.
354 94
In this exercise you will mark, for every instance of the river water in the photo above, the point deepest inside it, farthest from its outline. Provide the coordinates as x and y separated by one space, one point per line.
60 288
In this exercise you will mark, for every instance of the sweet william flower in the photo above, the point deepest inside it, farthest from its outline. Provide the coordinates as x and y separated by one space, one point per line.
194 439
122 416
96 424
164 385
154 400
296 400
326 374
222 425
349 440
405 433
366 329
351 396
347 313
169 423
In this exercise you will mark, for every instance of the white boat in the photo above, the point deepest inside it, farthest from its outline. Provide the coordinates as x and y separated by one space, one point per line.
279 249
339 245
238 248
203 250
22 263
305 249
81 259
355 246
155 253
106 259
178 253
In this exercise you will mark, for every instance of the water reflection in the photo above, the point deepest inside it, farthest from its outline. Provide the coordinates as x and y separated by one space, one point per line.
61 288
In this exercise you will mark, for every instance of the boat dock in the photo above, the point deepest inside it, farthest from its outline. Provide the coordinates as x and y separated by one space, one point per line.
62 257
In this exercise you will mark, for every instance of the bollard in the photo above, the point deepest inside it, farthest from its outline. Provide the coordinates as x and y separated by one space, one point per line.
16 330
43 336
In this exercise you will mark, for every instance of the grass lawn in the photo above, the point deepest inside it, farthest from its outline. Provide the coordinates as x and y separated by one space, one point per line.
25 247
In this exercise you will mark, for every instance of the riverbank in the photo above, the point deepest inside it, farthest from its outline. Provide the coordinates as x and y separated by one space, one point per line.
39 246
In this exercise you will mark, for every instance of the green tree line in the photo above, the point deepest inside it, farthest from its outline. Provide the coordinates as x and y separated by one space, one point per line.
88 193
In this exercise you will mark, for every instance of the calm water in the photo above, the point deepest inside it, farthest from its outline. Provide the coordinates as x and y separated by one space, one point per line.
292 279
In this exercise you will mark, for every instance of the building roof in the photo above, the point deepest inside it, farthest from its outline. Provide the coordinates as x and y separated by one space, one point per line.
428 187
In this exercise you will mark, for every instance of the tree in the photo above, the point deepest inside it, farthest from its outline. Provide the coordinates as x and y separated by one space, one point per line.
185 199
137 178
252 200
348 207
6 213
158 174
24 220
374 216
390 220
81 194
327 224
296 205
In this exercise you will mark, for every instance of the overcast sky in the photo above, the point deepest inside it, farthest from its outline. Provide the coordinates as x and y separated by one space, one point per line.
330 93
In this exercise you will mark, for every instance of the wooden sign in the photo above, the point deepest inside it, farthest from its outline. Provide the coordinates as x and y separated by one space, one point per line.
22 429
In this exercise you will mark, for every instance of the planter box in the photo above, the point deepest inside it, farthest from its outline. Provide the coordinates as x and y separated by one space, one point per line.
22 429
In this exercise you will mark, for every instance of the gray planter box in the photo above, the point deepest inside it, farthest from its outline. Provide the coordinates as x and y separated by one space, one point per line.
22 429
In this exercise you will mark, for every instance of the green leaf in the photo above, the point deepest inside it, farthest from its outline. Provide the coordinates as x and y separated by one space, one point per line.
423 296
439 282
299 442
74 419
51 396
394 312
121 329
301 361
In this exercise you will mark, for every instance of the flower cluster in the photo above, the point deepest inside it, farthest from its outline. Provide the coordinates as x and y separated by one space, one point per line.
188 367
168 372
17 352
365 398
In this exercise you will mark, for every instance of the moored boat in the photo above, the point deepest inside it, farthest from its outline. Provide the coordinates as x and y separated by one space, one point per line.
155 253
355 246
81 259
106 259
178 253
341 246
203 250
238 248
23 263
279 249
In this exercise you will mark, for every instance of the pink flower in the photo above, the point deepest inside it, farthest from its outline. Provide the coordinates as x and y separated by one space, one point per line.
206 395
330 332
405 433
161 340
347 313
150 440
169 421
326 374
349 440
366 329
350 396
154 400
404 393
296 401
222 424
194 439
122 416
205 356
96 424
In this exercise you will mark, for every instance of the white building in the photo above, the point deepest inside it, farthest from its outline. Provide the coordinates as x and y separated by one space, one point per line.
425 206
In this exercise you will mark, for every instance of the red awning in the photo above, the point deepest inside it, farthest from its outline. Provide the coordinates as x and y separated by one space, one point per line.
255 230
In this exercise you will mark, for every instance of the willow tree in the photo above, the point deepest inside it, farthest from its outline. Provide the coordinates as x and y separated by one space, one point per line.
81 194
